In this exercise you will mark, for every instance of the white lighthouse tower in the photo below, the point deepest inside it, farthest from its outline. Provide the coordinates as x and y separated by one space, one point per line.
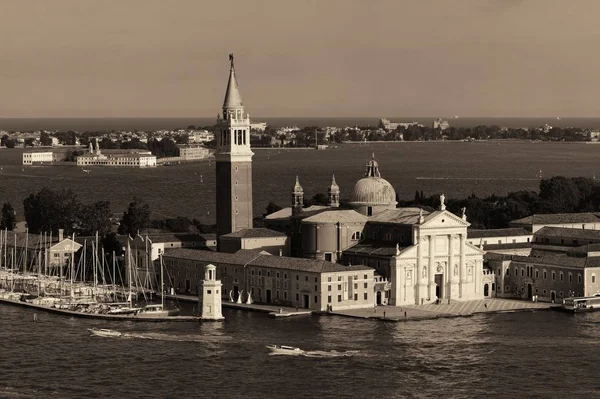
211 295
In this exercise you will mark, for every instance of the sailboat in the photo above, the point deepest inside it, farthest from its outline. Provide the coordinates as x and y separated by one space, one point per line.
158 310
127 310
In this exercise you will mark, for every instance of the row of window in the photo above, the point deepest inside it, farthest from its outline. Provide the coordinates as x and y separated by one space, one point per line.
530 273
339 297
544 291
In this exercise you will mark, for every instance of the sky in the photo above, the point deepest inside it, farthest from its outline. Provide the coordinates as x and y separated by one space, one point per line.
329 58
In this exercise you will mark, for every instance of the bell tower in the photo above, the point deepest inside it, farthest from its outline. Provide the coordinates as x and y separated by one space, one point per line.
297 198
233 162
333 194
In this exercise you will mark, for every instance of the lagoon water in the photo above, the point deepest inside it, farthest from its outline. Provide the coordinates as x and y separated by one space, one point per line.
540 354
456 169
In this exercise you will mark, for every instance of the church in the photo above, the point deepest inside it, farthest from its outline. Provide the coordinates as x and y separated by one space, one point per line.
370 253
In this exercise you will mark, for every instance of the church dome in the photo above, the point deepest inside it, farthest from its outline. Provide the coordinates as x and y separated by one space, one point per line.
373 191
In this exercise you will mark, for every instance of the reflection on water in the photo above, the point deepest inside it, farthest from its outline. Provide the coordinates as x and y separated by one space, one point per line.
502 355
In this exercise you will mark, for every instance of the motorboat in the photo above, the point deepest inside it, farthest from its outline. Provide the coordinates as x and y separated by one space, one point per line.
285 350
104 332
156 311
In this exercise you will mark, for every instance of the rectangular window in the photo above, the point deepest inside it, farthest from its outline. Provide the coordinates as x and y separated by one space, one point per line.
593 278
329 279
297 297
339 298
339 287
355 286
356 297
329 288
305 278
316 299
208 291
316 280
297 277
328 298
366 285
366 296
366 277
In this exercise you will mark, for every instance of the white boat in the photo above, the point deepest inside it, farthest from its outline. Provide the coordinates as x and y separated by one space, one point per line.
156 311
285 350
104 332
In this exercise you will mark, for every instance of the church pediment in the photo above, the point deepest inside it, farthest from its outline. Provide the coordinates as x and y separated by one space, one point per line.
444 220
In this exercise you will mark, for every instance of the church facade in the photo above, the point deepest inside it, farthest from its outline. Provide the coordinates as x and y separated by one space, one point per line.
421 257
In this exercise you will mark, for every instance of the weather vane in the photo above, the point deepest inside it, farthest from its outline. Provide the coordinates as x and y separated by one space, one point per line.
231 59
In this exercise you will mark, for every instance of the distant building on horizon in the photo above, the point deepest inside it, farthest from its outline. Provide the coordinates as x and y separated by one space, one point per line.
138 159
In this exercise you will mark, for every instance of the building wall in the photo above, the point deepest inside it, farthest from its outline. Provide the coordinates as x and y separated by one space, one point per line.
591 280
277 246
129 161
564 241
403 235
321 240
277 286
545 280
32 157
499 240
234 196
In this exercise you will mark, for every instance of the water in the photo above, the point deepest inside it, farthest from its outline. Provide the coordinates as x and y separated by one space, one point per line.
532 354
454 168
143 124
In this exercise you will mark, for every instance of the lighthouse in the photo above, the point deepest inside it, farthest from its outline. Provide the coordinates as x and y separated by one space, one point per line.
211 295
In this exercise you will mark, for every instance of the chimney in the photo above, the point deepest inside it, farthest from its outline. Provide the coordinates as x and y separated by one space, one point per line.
61 232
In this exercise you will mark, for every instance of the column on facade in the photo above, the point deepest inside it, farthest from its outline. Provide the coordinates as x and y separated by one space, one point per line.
463 267
417 274
450 267
431 275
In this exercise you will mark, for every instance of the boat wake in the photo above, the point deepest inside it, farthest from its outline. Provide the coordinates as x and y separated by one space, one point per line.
330 354
177 338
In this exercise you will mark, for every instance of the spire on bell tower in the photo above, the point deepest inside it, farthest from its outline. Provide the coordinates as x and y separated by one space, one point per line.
233 162
333 194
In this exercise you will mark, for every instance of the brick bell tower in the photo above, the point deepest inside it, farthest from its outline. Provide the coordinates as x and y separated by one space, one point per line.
233 163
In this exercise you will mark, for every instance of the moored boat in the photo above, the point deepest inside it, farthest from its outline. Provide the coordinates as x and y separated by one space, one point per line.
285 350
104 332
580 305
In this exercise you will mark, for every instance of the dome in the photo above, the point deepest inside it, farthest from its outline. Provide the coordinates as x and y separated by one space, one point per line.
373 191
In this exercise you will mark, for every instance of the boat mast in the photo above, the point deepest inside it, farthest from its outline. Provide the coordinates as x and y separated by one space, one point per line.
72 263
25 251
129 271
114 276
162 292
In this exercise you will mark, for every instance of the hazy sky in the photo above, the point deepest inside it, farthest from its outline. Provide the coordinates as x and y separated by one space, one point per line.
78 58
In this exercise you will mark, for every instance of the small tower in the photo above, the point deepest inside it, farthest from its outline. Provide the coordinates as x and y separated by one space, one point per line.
211 295
297 198
333 194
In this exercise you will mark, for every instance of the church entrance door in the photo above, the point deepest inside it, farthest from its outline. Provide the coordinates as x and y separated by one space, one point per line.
486 290
529 291
379 297
305 303
236 292
439 286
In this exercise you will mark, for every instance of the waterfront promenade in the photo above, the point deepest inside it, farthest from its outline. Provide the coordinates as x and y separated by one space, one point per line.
396 313
454 309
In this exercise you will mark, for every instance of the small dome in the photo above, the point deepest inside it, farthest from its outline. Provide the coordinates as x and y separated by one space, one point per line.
373 191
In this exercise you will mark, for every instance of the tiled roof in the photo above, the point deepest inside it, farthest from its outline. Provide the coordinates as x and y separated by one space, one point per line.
379 248
165 237
514 245
518 231
558 218
261 259
286 213
551 260
566 232
259 232
408 216
334 216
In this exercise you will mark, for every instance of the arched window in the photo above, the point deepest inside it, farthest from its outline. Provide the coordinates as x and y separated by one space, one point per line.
387 237
357 236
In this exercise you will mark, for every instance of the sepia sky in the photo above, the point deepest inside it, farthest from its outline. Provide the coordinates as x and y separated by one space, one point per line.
111 58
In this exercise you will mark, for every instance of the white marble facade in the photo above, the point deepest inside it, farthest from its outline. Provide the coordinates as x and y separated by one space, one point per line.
439 266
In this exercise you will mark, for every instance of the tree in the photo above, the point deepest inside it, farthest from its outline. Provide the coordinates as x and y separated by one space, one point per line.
559 195
135 218
9 219
45 139
50 210
272 208
95 218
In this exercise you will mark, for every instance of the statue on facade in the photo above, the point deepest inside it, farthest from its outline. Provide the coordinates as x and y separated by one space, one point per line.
424 271
456 270
464 213
421 217
397 249
442 200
